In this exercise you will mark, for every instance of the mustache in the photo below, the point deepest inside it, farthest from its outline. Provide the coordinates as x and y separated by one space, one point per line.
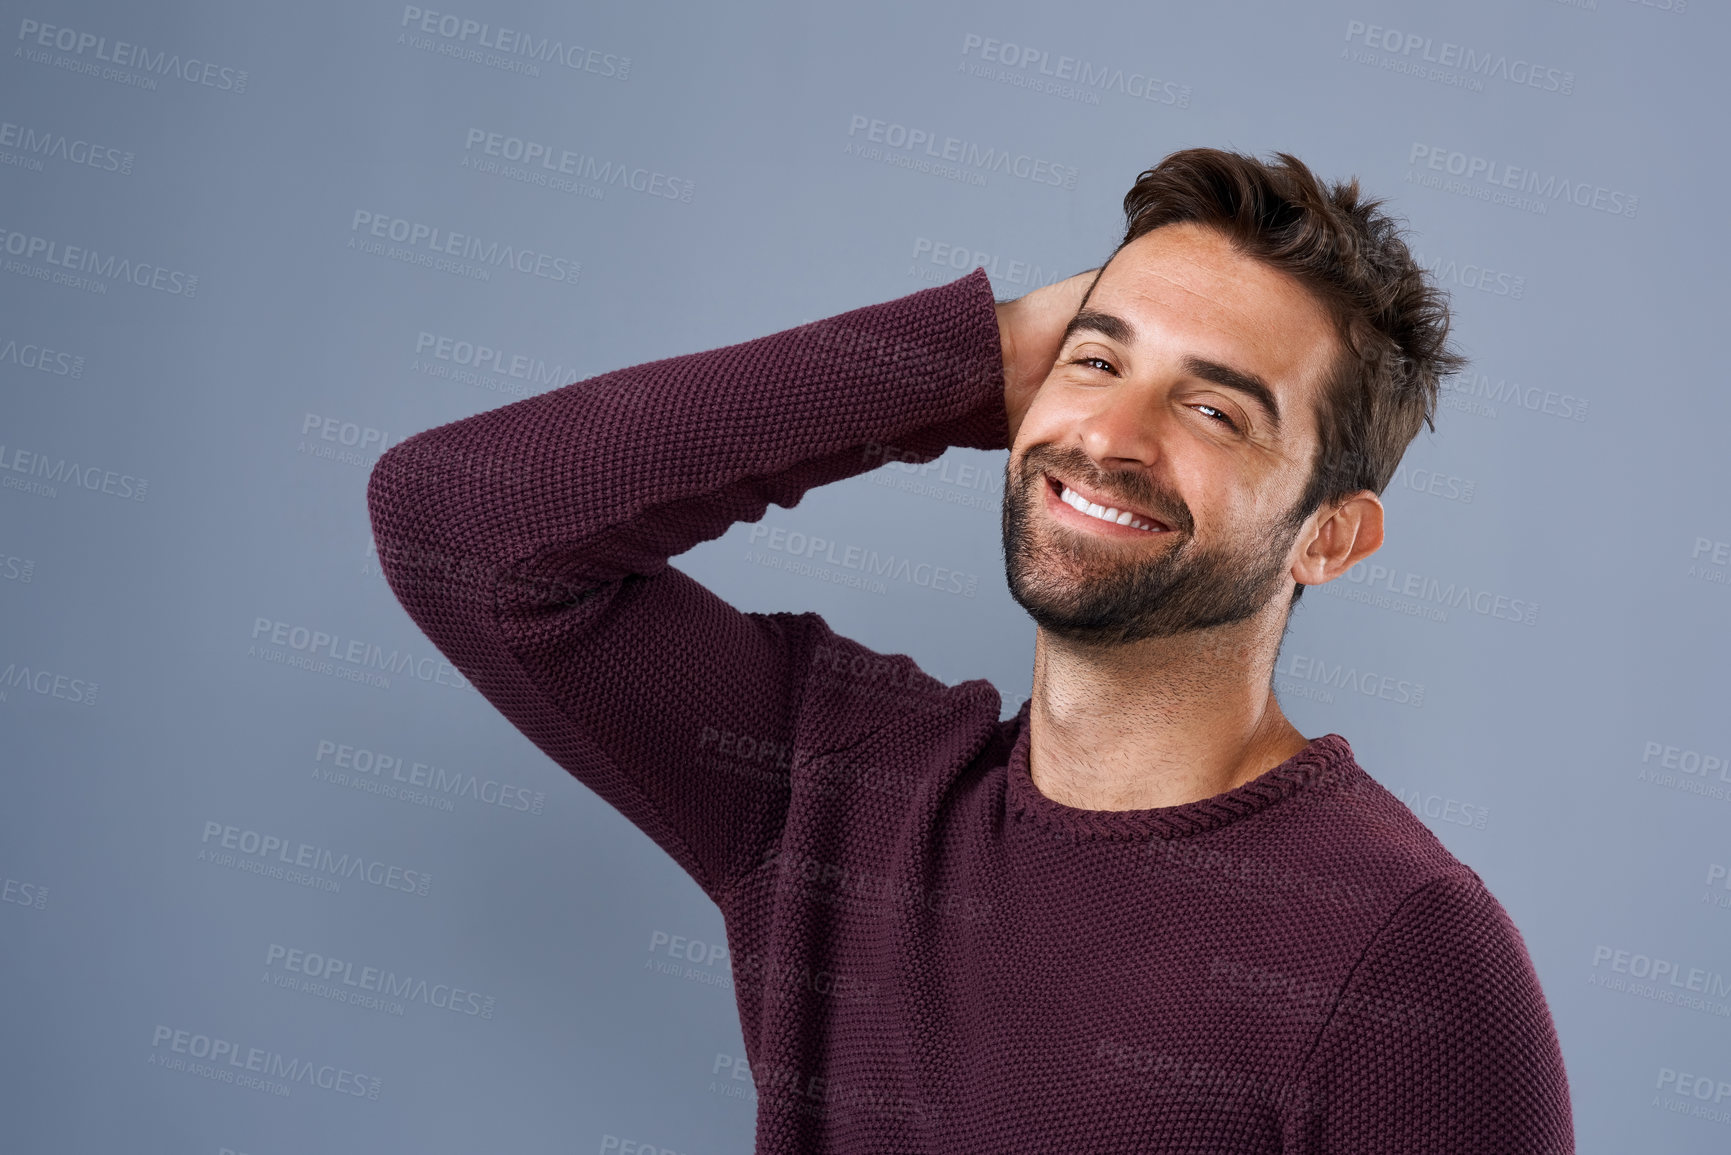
1137 490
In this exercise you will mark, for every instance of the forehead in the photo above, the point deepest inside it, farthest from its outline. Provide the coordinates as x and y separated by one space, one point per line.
1187 292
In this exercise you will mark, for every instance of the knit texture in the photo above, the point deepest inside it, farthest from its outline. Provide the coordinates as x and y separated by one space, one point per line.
929 955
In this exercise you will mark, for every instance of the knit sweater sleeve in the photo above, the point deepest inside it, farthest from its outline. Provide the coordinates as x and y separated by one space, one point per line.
1441 1042
531 542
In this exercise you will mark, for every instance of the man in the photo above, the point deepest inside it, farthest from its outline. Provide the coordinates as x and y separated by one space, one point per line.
1144 914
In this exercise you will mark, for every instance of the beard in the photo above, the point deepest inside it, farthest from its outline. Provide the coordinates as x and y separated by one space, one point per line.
1102 593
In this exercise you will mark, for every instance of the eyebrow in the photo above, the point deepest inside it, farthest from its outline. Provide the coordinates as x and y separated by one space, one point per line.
1116 328
1239 381
1108 325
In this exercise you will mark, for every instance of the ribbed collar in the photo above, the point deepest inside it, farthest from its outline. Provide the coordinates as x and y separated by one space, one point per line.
1326 757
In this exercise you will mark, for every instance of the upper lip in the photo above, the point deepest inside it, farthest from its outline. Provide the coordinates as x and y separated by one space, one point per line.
1107 502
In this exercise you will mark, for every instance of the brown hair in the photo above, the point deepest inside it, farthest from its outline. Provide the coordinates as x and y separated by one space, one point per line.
1392 319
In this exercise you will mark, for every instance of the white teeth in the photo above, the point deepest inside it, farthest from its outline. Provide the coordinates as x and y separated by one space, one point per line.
1092 509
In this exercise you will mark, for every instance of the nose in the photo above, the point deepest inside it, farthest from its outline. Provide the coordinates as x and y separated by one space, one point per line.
1123 430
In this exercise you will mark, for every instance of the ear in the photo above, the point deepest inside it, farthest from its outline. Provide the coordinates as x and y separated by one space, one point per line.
1340 535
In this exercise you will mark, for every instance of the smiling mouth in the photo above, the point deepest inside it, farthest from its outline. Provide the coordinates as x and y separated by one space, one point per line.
1105 517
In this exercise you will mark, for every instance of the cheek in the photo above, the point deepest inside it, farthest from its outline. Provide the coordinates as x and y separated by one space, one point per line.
1048 411
1283 488
1213 486
1229 504
1049 422
1254 492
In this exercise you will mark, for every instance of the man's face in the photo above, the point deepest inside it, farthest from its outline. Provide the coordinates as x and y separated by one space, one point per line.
1184 393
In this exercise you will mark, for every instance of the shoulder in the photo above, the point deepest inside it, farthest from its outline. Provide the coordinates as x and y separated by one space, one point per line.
1441 1039
1359 820
847 674
1390 879
1431 935
1447 949
856 697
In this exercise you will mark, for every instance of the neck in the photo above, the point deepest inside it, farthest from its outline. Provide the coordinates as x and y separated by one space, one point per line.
1159 722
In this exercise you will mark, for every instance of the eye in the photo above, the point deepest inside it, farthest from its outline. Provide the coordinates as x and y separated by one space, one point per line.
1218 414
1100 362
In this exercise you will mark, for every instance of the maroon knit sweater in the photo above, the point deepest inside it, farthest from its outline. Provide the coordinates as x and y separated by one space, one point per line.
928 954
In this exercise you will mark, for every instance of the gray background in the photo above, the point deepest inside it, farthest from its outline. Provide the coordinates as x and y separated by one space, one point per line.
184 463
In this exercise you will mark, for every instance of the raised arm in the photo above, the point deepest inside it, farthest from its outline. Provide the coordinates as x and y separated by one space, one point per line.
530 543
